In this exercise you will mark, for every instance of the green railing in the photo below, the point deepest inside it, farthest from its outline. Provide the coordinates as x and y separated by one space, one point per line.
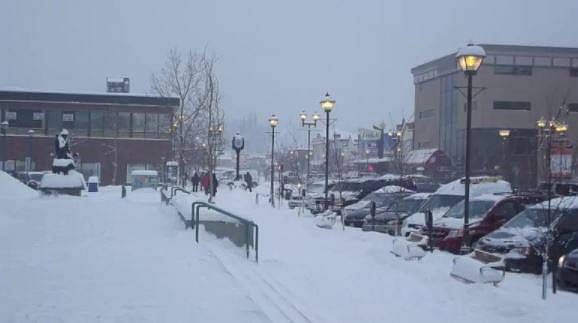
251 229
250 234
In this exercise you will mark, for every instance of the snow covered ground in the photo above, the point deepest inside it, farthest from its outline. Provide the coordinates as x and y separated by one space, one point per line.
351 276
100 258
103 259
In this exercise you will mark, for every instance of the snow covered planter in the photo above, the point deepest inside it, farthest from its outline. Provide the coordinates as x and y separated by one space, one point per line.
470 270
71 184
407 249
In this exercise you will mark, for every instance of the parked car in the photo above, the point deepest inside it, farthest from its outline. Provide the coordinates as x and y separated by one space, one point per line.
390 219
32 179
449 195
487 213
315 194
518 244
568 268
561 189
424 183
355 214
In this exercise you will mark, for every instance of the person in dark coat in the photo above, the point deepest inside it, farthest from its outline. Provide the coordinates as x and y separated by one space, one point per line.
195 181
249 181
215 184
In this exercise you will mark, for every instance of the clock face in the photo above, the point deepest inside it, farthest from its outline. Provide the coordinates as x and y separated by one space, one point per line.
238 142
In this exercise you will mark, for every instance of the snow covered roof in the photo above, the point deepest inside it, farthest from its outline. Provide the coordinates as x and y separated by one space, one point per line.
565 202
478 186
373 160
489 197
72 180
142 172
418 196
394 189
419 156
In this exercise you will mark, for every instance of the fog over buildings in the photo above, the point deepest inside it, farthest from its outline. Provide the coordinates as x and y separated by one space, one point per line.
273 57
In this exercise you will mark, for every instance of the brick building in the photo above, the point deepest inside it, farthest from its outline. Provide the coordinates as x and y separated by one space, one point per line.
113 133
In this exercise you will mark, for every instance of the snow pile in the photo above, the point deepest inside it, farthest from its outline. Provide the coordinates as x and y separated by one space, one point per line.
142 172
10 188
72 180
470 270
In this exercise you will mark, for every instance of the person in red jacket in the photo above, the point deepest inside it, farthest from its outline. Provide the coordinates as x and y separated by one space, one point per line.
205 183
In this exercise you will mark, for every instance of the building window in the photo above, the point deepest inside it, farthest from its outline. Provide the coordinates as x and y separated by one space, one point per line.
53 122
68 120
512 105
124 124
426 113
513 70
110 124
573 107
138 125
97 124
573 71
24 119
152 125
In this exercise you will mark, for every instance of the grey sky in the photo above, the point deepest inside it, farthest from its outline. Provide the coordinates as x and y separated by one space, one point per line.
274 56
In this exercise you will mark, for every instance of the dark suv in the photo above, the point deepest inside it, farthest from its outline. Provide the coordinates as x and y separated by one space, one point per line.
517 246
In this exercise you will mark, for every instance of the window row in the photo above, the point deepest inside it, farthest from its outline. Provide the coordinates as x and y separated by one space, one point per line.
92 123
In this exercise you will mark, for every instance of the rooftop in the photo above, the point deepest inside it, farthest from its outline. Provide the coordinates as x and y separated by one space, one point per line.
87 98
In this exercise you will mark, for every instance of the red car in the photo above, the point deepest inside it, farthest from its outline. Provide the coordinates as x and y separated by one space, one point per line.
487 213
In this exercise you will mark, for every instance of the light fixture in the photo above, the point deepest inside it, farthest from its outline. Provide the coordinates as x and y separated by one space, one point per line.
561 127
541 123
504 133
327 103
470 58
273 121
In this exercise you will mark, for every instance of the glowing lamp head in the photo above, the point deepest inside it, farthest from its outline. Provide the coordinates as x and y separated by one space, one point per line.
315 117
273 121
303 116
327 104
470 58
561 127
504 133
541 123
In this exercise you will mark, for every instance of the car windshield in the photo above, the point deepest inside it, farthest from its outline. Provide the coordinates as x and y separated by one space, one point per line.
381 199
315 188
406 206
478 209
36 177
439 201
348 186
535 217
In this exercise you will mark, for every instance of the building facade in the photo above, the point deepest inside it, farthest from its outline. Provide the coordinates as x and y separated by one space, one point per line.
112 133
515 86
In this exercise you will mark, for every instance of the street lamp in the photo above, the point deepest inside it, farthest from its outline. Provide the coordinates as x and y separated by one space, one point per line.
504 134
215 133
547 128
469 59
380 144
3 128
238 145
273 122
327 104
308 124
30 133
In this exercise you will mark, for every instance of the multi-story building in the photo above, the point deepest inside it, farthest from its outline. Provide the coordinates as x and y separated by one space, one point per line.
112 133
515 86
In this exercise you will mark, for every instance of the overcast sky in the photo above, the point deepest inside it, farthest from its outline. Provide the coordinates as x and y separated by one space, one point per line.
274 56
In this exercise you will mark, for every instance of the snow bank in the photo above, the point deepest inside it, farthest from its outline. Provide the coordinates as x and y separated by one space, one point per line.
10 187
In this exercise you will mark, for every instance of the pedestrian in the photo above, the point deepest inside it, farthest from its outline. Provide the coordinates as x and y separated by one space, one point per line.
215 184
249 181
205 182
195 181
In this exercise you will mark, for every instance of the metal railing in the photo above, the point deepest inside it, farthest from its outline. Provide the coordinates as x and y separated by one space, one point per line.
251 230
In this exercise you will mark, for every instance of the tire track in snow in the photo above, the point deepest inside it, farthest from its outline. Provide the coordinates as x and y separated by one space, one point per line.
264 292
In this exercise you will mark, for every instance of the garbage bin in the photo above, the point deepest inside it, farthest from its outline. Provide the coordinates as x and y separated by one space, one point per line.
93 184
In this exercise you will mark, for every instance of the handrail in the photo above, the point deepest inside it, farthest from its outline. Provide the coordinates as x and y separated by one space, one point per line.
195 211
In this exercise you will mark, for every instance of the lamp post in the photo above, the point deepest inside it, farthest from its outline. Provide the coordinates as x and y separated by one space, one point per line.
238 145
504 135
469 59
29 164
547 128
215 133
327 104
308 124
273 122
3 128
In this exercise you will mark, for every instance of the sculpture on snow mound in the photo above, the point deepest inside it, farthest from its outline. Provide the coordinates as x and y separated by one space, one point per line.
64 161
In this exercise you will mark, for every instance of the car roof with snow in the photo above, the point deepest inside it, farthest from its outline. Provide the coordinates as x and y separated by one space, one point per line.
490 197
389 189
418 196
478 186
565 202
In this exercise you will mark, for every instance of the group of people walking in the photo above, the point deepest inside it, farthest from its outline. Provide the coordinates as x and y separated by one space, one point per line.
205 181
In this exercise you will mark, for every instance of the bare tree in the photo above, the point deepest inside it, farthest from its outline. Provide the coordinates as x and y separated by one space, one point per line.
191 77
